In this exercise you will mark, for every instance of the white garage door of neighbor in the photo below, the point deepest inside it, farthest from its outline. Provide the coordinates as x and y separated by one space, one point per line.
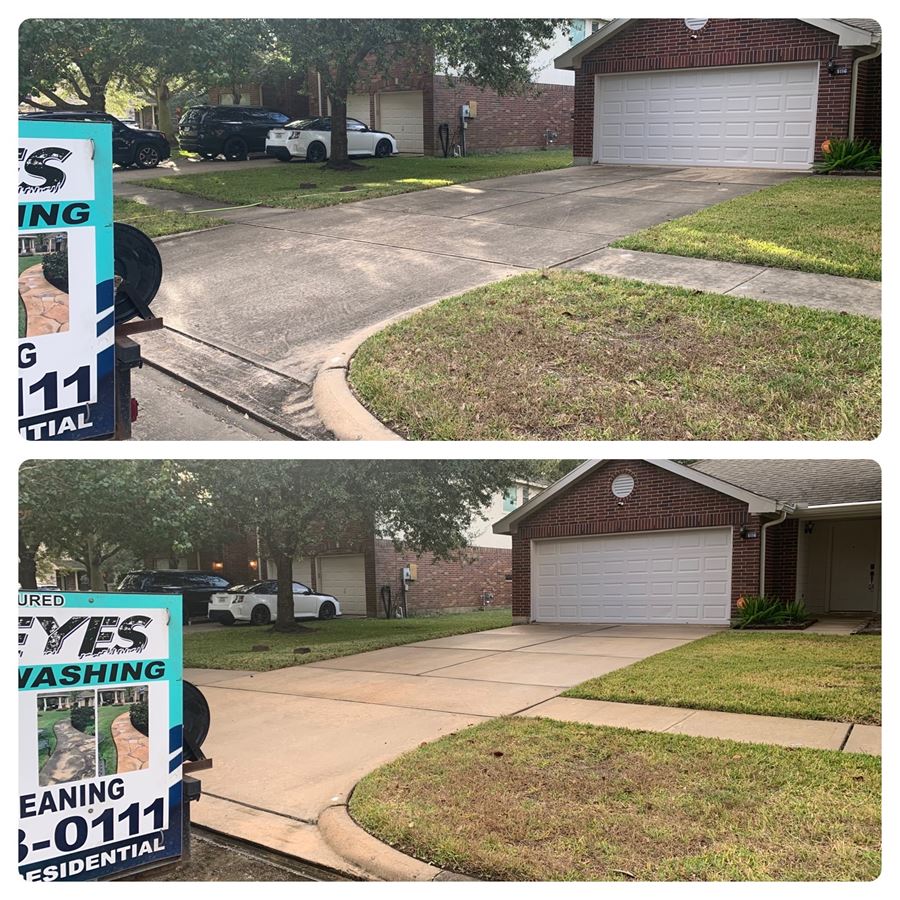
400 113
344 577
358 108
754 116
654 577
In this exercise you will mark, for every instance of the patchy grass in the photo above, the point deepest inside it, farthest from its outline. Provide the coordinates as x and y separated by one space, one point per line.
538 800
229 648
820 224
46 722
156 222
279 185
806 676
106 715
567 355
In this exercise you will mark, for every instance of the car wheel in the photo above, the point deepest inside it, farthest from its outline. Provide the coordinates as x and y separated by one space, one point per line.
146 157
209 155
260 615
235 149
327 610
316 153
383 148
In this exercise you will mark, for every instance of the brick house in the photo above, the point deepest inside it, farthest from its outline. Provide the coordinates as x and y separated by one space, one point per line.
655 541
357 568
724 92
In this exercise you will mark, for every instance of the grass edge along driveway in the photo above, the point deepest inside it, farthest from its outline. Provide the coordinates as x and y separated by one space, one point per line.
824 224
574 356
229 648
155 222
534 799
279 185
805 676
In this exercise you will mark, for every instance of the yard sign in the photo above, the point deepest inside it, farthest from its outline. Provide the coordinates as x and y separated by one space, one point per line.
100 719
66 290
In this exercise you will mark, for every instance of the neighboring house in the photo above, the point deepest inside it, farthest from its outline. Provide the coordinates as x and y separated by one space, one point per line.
356 569
411 103
655 541
724 92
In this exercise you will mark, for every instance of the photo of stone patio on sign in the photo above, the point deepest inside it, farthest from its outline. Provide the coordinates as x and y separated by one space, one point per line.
124 727
66 728
43 284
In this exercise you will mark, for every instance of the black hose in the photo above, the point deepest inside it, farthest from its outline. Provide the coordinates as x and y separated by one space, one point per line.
444 135
386 601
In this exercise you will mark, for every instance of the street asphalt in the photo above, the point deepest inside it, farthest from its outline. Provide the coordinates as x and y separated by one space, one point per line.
252 308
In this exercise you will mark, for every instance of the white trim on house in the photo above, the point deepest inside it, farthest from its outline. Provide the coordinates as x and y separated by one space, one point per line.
756 503
856 509
848 36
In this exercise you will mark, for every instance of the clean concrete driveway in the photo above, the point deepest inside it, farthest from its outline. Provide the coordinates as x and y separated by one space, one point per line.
290 743
252 308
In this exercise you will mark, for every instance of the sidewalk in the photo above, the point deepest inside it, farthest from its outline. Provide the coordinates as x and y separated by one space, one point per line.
777 730
829 292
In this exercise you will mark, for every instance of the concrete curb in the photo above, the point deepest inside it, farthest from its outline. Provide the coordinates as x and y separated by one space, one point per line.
366 852
339 410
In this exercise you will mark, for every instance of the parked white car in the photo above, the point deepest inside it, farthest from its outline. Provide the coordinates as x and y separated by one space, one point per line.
310 139
257 603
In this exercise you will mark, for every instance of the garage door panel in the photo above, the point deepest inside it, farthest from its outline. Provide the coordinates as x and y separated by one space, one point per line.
739 105
402 114
672 576
345 578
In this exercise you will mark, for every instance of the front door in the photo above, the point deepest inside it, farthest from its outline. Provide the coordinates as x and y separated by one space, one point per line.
856 566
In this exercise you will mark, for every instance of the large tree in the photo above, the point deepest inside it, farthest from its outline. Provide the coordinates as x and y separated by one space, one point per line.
92 510
69 63
295 506
494 53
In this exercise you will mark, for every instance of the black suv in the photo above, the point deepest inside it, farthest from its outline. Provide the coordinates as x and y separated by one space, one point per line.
195 586
130 146
232 131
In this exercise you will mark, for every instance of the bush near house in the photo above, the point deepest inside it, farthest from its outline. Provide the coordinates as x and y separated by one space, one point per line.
56 269
762 611
849 155
140 716
83 719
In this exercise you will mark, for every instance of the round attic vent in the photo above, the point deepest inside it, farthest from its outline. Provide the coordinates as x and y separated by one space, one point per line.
622 485
695 24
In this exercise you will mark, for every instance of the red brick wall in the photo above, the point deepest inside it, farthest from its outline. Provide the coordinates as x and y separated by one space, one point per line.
657 44
868 101
453 585
781 560
660 500
506 123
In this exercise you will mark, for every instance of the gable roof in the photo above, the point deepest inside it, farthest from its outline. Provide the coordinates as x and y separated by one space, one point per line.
850 32
813 482
756 502
765 485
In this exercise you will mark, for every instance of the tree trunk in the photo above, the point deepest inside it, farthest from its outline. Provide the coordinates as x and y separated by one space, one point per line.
339 158
94 560
164 114
285 618
236 94
27 566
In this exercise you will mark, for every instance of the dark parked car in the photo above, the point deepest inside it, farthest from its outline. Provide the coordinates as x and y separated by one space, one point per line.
131 146
232 131
195 586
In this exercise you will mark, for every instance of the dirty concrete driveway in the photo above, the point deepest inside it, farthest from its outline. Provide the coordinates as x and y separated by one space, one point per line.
289 743
251 308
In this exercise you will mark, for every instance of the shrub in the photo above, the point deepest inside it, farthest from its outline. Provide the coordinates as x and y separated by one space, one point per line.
843 155
82 718
140 716
56 269
769 611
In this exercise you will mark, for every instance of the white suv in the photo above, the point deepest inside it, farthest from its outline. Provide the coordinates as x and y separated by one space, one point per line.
257 603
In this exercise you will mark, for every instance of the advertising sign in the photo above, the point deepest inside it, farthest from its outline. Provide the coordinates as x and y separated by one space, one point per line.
100 746
66 281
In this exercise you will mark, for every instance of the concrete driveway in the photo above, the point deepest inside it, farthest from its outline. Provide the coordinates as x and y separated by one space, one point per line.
290 743
253 307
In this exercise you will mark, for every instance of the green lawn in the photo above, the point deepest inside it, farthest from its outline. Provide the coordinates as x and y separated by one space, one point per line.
26 262
538 800
105 717
46 733
806 676
567 355
279 185
816 224
229 648
156 222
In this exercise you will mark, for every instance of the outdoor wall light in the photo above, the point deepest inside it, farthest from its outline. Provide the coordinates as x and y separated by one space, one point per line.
808 527
218 566
253 564
749 534
835 68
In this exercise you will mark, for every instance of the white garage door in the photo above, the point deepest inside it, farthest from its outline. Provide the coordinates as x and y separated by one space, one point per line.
660 576
345 578
400 113
357 108
763 116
